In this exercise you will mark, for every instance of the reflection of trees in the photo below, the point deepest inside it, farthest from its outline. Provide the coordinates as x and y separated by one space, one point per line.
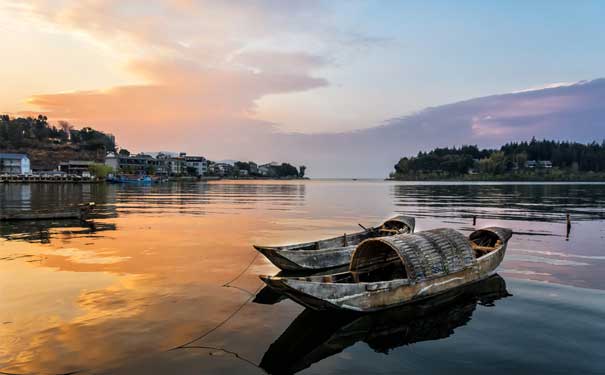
316 335
43 230
541 202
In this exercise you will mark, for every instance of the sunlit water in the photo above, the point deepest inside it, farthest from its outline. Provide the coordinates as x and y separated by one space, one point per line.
143 289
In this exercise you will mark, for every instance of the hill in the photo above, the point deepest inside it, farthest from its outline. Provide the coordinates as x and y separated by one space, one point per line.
47 145
534 160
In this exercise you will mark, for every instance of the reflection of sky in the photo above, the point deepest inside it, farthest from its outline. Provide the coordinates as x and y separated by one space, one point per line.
153 281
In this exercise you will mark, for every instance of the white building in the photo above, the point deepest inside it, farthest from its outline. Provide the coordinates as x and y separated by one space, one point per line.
14 164
199 163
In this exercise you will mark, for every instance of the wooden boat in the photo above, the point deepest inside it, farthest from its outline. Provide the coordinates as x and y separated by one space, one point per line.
391 271
316 335
81 213
331 252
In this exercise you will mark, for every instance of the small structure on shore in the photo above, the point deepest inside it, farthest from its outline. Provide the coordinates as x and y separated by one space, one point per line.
14 164
76 167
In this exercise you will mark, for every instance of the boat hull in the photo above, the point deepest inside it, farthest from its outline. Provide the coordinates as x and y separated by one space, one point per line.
374 296
308 260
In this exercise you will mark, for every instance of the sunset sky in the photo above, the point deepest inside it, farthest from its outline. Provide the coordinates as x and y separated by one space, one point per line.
210 77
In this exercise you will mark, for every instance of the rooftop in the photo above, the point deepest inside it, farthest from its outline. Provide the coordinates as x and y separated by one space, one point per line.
13 156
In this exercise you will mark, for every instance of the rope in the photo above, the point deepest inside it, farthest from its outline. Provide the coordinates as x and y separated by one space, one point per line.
236 355
252 295
220 324
243 271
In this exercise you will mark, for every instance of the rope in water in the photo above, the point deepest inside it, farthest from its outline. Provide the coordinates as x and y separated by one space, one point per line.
239 308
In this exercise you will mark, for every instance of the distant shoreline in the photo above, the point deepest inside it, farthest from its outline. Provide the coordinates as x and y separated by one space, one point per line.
600 177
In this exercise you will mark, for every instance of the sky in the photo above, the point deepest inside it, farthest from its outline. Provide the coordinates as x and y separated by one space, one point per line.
220 78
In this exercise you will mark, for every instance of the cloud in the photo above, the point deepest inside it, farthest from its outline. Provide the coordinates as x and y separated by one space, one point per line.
182 101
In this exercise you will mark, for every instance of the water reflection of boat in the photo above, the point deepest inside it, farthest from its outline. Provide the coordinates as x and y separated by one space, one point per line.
390 271
331 252
314 336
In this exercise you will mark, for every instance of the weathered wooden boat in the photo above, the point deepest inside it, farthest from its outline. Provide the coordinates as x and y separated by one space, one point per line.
81 212
316 335
391 271
331 252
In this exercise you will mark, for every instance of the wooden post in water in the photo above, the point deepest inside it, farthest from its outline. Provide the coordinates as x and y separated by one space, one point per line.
568 225
474 220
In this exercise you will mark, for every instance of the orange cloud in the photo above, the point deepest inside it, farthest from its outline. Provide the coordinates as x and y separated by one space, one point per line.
182 97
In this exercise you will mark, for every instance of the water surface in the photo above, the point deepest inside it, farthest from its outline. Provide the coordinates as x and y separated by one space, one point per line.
165 278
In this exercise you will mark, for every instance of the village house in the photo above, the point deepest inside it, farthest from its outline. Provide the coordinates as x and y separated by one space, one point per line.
222 169
17 164
546 164
197 163
76 167
138 164
268 169
543 164
253 168
163 164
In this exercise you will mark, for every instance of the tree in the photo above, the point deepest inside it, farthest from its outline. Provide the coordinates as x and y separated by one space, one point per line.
100 170
124 152
150 170
301 171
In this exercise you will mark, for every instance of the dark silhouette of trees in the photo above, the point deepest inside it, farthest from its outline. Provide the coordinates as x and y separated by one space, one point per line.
22 132
511 157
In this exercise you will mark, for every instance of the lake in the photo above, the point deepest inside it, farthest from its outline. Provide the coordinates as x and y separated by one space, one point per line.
166 281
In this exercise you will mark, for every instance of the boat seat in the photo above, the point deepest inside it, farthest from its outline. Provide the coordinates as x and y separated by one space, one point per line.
485 249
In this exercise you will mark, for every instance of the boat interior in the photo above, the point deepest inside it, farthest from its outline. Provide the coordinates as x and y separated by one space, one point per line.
391 227
388 228
377 261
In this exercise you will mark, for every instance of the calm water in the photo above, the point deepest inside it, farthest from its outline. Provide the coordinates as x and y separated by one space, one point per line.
143 290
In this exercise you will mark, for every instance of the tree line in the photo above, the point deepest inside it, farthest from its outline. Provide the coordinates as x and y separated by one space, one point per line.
24 132
511 158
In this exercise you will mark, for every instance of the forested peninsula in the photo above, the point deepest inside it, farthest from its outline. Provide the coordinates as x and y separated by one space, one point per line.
535 160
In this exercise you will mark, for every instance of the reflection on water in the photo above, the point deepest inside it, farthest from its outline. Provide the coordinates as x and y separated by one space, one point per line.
528 202
149 275
314 336
44 230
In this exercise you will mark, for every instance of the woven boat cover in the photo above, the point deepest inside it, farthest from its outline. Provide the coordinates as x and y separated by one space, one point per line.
426 254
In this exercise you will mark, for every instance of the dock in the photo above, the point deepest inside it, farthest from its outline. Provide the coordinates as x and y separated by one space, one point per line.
46 179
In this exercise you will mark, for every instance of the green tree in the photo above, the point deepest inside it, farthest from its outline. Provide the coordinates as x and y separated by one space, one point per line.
100 170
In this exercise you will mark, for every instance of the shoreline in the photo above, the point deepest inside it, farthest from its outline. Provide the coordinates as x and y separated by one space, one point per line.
504 178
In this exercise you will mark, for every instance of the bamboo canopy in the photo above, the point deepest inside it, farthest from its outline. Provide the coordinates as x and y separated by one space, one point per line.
423 255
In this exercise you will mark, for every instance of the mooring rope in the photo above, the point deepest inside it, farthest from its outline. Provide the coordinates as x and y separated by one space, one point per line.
243 271
227 285
182 346
235 354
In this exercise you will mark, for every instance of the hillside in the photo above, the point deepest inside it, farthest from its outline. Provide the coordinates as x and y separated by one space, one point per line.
47 145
